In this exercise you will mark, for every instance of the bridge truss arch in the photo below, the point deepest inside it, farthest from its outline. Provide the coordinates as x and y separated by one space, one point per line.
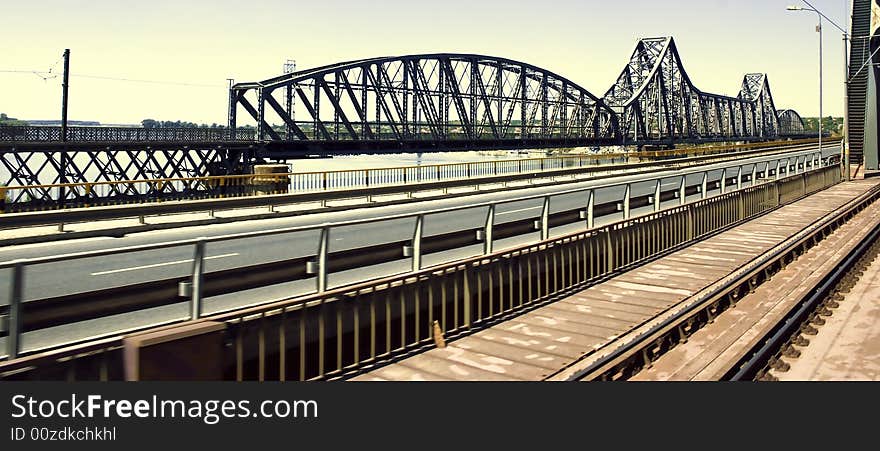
790 123
440 99
655 100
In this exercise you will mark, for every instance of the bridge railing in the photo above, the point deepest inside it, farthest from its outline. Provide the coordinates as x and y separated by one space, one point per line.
328 334
90 194
123 134
322 272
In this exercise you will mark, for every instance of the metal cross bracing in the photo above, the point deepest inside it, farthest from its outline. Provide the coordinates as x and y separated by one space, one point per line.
416 103
655 100
40 167
434 98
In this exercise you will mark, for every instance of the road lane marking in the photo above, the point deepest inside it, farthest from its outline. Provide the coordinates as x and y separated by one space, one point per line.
156 265
517 211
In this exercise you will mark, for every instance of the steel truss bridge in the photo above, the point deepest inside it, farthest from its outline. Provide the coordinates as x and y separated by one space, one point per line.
417 103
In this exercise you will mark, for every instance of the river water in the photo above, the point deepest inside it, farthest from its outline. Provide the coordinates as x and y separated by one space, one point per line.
424 159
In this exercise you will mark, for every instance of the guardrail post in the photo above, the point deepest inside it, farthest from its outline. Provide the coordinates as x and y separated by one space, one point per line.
682 193
16 289
657 196
591 215
704 185
198 274
545 219
417 243
626 195
321 270
755 174
723 186
778 166
488 240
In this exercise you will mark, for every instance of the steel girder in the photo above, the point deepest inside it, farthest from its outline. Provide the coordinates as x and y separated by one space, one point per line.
655 100
790 123
30 167
436 97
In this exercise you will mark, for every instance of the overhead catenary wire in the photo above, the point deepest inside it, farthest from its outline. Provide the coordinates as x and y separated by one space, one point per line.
102 77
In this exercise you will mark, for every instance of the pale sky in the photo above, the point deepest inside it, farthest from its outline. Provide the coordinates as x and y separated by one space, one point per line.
205 42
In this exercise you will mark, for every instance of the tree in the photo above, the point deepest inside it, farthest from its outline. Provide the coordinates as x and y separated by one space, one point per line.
150 123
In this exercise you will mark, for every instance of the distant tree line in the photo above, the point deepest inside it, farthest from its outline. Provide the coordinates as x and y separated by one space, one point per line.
11 121
833 125
152 123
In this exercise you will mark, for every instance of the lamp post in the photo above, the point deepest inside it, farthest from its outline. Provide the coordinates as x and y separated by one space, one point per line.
844 154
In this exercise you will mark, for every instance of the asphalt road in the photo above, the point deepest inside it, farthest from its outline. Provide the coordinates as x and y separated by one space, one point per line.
85 275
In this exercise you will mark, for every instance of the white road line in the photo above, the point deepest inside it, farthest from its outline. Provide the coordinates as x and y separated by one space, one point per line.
156 265
517 211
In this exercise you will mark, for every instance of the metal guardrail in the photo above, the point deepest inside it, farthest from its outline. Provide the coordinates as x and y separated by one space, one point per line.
123 134
85 194
319 266
269 183
337 332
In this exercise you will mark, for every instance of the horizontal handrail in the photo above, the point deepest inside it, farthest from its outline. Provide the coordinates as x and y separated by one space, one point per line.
244 235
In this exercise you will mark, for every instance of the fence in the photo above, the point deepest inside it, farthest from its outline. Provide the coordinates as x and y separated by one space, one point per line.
338 330
87 194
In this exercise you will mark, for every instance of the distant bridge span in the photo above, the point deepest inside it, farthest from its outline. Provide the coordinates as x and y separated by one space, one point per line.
416 103
463 101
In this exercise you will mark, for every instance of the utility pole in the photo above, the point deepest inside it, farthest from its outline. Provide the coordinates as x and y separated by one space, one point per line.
289 68
62 194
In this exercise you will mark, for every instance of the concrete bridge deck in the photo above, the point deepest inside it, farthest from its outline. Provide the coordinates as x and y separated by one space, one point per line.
543 343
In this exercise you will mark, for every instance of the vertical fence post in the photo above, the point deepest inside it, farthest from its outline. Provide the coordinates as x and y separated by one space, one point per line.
487 230
626 196
690 223
16 289
197 279
723 185
466 290
778 166
755 174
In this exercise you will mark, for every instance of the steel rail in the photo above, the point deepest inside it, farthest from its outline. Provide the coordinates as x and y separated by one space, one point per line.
756 359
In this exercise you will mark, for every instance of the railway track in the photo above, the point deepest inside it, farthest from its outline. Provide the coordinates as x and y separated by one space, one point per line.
624 326
767 312
59 310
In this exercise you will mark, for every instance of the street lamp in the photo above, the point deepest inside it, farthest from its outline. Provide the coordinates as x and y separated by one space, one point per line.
844 154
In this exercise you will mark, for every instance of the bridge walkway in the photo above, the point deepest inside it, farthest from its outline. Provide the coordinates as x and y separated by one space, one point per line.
543 343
